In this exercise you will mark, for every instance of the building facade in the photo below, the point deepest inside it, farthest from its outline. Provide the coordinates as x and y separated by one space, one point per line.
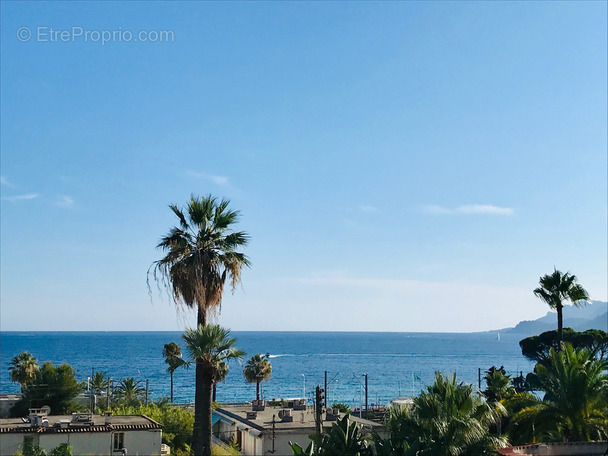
88 434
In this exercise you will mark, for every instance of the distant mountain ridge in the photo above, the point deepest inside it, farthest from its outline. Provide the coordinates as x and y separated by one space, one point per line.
591 316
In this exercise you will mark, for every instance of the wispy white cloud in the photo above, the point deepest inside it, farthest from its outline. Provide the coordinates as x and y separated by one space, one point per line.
374 303
220 181
485 209
4 181
469 209
64 201
368 208
15 198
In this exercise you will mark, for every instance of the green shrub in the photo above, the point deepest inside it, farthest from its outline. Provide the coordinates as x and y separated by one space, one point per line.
177 423
64 449
344 408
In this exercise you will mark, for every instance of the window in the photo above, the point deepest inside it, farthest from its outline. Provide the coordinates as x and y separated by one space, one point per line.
119 441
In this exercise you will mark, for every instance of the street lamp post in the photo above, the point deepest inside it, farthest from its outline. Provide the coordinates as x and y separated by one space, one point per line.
304 386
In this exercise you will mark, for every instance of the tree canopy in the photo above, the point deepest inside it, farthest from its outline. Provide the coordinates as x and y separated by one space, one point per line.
201 253
24 369
99 382
537 348
52 386
130 392
257 370
558 288
498 384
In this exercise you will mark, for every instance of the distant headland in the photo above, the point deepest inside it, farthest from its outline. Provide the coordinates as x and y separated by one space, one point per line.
592 316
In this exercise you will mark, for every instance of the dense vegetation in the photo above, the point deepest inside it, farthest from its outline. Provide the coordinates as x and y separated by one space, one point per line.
450 419
48 385
177 422
575 402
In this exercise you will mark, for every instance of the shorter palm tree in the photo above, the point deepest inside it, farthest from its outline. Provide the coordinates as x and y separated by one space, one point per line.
222 373
344 438
130 391
257 370
99 382
575 405
498 384
558 288
24 369
173 357
209 347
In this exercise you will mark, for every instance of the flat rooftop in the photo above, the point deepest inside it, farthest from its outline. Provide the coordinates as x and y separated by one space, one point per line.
80 423
302 419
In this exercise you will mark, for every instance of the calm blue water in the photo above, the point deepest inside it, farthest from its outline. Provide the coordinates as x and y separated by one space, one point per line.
391 360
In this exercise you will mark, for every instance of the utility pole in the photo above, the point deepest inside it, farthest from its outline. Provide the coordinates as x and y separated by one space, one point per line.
366 414
273 438
108 393
325 389
479 378
319 397
147 389
92 401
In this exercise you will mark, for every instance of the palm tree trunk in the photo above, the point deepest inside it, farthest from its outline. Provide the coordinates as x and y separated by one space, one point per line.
560 321
257 390
171 388
201 315
214 392
201 436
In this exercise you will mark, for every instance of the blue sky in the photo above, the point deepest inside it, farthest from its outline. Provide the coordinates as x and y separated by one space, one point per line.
409 166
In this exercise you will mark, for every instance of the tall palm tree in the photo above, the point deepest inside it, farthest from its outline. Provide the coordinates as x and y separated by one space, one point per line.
556 289
201 253
257 370
130 391
575 405
24 368
209 346
173 357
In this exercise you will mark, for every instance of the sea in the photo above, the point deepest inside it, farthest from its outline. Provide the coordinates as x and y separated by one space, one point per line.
395 364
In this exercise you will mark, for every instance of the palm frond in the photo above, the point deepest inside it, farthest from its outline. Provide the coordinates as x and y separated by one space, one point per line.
200 255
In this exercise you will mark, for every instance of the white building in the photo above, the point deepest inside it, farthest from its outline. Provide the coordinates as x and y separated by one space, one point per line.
558 449
7 401
88 434
268 430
